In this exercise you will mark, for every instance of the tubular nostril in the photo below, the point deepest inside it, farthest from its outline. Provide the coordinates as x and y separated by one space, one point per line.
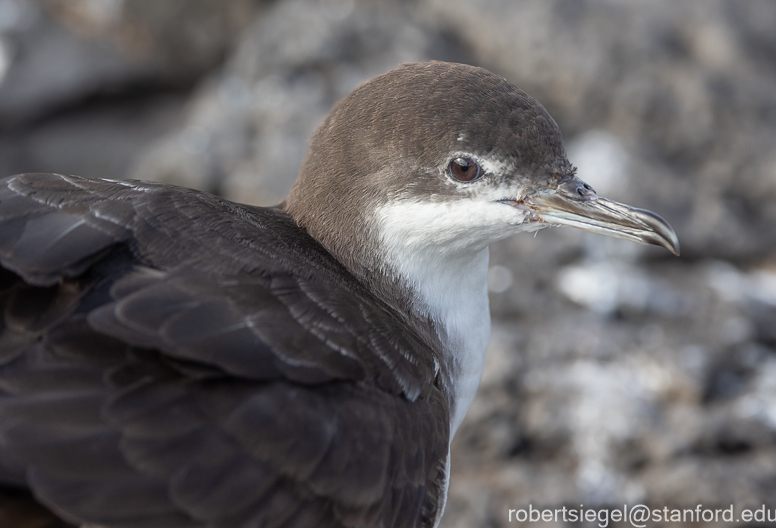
574 186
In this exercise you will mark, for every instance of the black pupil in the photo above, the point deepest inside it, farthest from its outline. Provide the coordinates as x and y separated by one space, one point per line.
464 169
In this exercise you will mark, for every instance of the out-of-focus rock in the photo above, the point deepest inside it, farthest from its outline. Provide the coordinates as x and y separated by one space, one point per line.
47 65
100 139
180 38
56 52
85 85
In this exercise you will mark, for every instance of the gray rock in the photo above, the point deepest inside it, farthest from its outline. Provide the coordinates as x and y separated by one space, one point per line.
57 52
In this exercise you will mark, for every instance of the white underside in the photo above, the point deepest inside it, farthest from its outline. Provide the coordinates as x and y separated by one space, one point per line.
440 251
455 293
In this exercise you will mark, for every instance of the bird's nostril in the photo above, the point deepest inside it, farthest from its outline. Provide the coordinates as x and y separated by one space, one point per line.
573 186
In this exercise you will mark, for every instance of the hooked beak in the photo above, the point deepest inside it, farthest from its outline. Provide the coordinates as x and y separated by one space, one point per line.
574 203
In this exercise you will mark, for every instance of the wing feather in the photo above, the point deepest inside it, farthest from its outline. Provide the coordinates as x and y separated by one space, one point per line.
171 359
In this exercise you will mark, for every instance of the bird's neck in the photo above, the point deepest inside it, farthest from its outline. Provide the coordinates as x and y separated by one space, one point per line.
411 256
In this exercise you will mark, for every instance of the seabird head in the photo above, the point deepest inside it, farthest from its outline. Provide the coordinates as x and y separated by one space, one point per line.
447 157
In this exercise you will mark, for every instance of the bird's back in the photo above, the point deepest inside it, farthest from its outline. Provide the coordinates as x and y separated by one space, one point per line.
169 358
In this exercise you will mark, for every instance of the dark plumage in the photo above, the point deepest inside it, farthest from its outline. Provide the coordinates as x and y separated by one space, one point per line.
162 368
172 359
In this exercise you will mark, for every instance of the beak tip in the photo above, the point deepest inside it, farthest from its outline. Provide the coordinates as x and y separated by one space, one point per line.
673 244
665 238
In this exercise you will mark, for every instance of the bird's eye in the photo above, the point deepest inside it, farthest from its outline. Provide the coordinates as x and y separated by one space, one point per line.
464 169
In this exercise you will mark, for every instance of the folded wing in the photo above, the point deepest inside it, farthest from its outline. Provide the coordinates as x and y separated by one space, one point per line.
169 358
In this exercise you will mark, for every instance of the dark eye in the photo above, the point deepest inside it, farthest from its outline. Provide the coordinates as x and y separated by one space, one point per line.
464 169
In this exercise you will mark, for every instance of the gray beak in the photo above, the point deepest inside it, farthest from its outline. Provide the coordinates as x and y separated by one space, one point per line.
575 204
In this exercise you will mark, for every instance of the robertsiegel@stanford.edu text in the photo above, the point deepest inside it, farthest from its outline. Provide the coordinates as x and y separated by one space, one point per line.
640 516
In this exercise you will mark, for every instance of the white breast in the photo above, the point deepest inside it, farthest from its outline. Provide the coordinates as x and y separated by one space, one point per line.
440 250
429 246
455 294
464 314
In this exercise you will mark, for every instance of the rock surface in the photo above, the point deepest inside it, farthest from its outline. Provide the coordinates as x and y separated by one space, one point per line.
616 373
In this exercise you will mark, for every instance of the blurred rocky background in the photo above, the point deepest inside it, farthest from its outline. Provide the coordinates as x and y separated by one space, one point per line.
617 373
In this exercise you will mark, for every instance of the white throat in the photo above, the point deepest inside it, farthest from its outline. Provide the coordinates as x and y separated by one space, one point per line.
446 267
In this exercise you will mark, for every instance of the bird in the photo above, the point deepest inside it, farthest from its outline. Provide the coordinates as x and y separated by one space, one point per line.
172 359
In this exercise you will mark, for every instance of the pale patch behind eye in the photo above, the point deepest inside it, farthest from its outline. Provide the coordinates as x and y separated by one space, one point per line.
489 165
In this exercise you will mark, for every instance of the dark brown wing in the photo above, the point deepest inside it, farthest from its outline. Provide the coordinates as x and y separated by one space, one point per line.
168 358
